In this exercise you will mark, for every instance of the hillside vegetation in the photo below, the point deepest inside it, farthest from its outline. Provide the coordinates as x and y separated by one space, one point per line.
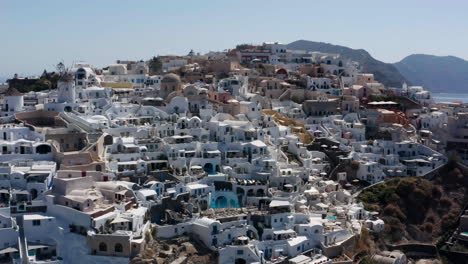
297 127
47 81
416 209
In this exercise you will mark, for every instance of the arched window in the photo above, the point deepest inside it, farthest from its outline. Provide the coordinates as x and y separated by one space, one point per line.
118 247
102 246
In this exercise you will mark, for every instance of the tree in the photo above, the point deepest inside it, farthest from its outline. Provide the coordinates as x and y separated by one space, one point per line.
155 65
61 68
42 84
45 75
64 73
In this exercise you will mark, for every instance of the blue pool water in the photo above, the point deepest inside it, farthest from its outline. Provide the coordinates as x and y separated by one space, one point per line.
224 199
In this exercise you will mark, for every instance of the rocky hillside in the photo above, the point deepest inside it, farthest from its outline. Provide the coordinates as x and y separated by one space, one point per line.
415 209
447 74
386 73
178 250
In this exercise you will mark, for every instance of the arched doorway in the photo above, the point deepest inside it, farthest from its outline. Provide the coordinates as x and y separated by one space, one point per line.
260 193
232 203
208 168
33 193
240 261
221 202
252 235
240 196
108 140
102 247
43 149
118 248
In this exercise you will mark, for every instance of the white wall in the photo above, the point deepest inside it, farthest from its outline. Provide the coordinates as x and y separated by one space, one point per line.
8 235
71 215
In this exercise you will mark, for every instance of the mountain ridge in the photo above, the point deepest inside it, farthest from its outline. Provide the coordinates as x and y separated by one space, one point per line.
448 74
386 73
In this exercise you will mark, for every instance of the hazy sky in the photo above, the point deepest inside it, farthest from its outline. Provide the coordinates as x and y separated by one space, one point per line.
38 34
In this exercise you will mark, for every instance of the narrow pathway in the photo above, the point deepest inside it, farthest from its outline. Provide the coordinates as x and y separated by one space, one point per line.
22 240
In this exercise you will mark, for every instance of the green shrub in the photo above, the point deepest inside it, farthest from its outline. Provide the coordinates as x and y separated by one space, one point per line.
147 236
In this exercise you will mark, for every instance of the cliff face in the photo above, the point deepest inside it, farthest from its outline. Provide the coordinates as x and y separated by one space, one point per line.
385 73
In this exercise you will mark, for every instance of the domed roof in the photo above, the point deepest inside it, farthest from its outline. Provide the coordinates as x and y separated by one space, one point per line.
171 77
99 117
282 71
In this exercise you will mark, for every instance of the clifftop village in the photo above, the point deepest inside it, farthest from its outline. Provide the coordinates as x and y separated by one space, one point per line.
252 155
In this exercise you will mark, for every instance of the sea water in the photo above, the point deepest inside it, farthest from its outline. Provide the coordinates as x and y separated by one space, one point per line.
450 97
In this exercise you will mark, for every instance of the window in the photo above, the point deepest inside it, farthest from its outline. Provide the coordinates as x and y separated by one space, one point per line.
102 246
36 222
240 252
118 247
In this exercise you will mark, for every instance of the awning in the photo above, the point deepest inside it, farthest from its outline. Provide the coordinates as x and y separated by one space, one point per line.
8 250
278 203
133 162
120 220
19 192
31 247
282 232
417 160
258 143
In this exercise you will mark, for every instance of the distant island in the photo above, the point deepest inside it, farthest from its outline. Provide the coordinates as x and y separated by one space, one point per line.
440 74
